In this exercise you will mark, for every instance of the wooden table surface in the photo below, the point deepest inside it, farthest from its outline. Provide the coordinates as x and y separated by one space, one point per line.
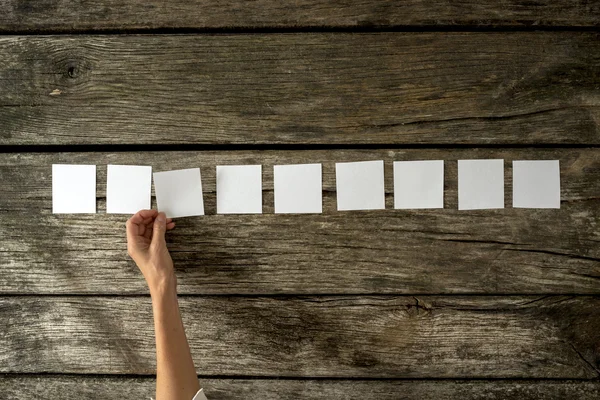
372 305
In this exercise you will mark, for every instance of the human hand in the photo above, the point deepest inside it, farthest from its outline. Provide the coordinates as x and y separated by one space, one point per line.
147 247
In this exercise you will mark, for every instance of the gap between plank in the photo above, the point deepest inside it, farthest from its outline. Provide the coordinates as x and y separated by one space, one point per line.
303 29
117 148
305 295
294 378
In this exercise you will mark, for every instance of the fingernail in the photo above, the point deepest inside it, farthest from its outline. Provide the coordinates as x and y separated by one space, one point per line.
161 217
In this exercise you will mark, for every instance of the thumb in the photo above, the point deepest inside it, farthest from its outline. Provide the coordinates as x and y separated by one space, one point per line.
159 229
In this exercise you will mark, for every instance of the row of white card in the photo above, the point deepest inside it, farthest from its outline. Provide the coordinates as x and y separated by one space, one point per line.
298 188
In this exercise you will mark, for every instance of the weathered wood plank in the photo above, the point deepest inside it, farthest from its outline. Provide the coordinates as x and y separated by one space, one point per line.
345 336
388 251
91 387
469 88
55 15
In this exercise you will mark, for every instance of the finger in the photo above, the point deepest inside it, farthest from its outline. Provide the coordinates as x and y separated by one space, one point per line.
170 225
169 220
149 224
158 230
132 227
148 232
137 224
143 216
147 213
136 218
147 221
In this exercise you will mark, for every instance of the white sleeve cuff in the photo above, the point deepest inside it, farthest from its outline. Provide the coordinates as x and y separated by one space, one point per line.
200 395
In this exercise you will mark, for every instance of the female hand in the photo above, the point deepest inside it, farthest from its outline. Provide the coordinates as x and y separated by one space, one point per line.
146 245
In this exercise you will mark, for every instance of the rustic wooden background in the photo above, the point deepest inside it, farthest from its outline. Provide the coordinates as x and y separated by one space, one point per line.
374 305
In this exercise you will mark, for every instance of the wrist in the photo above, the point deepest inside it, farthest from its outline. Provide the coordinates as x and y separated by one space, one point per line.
164 301
163 286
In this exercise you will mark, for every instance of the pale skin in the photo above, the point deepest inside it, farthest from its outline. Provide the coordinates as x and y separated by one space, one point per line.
175 372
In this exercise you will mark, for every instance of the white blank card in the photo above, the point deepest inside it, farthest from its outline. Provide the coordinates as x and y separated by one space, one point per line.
298 188
480 184
360 185
239 189
419 184
179 192
128 188
73 189
536 184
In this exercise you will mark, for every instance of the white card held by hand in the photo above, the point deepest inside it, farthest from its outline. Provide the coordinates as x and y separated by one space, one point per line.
480 184
239 189
298 189
73 189
128 188
419 184
360 185
536 184
179 192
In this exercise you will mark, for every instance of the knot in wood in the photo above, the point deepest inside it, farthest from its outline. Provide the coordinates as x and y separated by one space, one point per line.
73 71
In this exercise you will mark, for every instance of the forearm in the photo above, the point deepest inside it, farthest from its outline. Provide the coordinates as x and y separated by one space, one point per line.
176 375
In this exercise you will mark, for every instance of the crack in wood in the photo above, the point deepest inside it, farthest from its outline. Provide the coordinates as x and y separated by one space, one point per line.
589 364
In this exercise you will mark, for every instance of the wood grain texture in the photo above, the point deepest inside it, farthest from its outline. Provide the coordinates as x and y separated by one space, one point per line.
321 88
387 251
92 387
342 336
56 15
